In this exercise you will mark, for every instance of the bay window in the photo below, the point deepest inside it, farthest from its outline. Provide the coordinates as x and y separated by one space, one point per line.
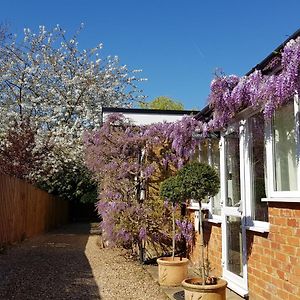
258 162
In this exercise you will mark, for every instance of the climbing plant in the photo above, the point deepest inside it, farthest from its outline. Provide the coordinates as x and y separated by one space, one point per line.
129 163
260 89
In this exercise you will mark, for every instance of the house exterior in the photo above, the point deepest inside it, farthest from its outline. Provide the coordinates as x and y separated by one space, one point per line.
142 116
252 229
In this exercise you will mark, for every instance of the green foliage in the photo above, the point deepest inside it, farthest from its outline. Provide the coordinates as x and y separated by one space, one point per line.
74 182
198 180
89 195
170 189
163 102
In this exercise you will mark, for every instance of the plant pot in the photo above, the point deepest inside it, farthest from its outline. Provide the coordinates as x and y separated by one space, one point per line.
172 272
192 290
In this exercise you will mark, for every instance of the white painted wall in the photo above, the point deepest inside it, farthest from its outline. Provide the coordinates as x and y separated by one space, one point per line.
146 119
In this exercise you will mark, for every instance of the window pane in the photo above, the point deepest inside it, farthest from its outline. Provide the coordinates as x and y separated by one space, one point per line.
233 169
204 159
257 156
195 156
285 163
215 157
204 151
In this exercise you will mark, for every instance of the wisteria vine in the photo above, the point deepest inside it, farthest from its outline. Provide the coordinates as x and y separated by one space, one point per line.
127 159
231 94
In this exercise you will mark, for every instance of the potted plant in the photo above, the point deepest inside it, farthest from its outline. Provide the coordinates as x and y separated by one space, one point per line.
198 181
172 270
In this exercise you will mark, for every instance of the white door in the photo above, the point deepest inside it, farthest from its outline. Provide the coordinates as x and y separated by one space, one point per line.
234 252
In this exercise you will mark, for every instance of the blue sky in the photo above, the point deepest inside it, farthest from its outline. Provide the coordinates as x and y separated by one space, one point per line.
178 44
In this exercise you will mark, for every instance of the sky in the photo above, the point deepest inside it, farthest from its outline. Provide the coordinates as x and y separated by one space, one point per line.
178 44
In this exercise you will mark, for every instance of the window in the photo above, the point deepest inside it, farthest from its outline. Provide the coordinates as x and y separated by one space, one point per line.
203 155
256 127
215 162
209 153
245 172
283 154
232 165
284 147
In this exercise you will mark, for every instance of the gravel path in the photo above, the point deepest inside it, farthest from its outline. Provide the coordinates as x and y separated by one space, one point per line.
70 264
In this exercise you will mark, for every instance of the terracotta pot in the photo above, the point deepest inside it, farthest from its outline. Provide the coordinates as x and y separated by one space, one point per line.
192 290
172 272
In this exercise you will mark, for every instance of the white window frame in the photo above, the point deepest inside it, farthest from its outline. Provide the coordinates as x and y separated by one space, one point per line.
235 282
281 196
250 222
246 173
209 205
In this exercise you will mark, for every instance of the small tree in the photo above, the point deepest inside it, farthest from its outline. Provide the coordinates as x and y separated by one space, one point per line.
171 191
20 151
163 102
197 181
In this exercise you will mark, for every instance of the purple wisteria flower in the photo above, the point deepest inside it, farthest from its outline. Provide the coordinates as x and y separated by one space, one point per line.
143 234
185 230
230 94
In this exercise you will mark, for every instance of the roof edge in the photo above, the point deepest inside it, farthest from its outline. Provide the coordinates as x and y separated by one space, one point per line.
266 60
149 111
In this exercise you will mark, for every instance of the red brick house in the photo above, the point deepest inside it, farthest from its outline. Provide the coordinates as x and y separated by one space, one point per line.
252 231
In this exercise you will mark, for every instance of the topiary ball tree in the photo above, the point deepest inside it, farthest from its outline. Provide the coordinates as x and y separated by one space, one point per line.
171 190
197 181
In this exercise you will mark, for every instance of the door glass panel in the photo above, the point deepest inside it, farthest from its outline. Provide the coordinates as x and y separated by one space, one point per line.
233 169
234 245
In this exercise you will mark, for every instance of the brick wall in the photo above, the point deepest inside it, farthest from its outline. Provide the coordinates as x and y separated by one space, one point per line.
273 258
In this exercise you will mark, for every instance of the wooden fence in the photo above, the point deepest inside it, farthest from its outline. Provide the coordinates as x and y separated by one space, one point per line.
26 211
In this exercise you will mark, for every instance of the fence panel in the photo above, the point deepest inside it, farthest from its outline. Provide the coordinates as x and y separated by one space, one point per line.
26 211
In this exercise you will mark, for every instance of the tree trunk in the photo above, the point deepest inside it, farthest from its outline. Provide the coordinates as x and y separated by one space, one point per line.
173 233
201 244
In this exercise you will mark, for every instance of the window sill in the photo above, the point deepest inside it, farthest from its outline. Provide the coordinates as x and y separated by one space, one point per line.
264 229
196 207
281 199
193 207
235 287
214 221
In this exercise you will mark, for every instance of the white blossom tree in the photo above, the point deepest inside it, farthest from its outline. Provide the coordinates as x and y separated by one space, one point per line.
47 81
